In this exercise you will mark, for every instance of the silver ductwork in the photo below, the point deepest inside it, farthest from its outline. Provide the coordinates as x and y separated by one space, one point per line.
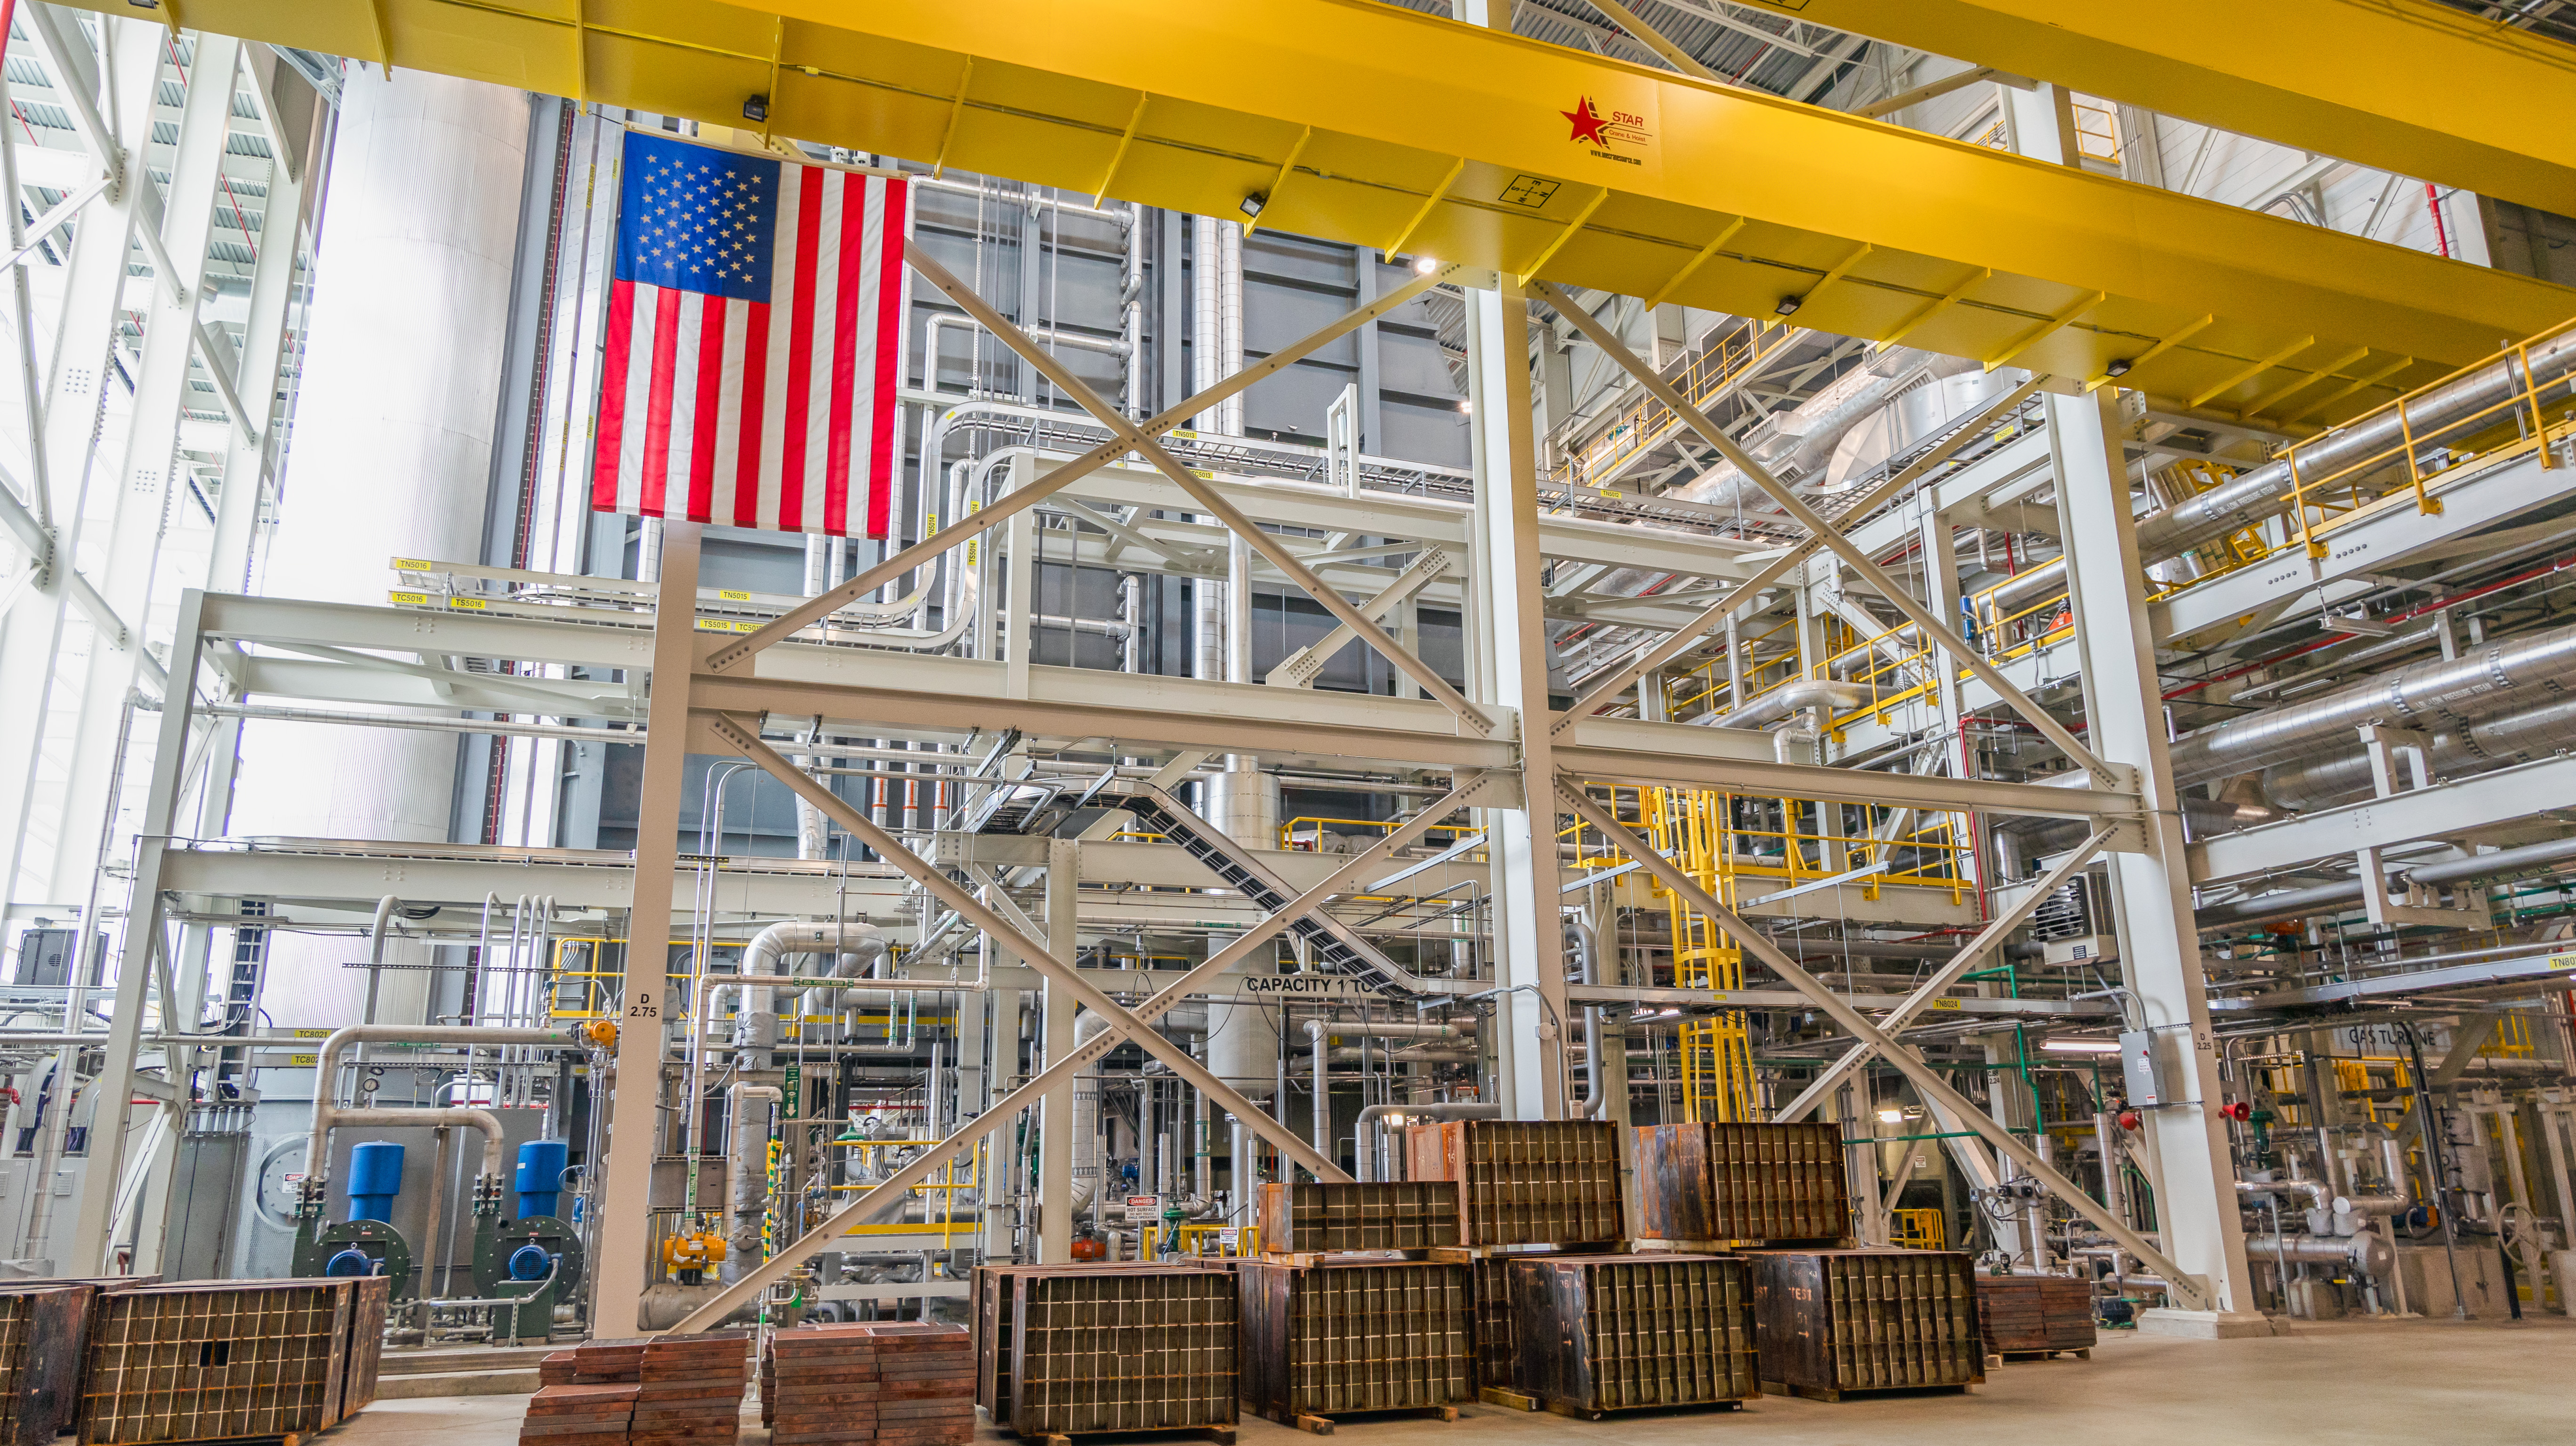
2253 496
2324 781
2447 692
1786 699
2332 898
1798 446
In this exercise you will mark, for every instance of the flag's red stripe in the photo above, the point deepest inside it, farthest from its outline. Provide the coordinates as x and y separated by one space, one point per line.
755 400
711 377
612 397
657 414
800 350
845 354
881 446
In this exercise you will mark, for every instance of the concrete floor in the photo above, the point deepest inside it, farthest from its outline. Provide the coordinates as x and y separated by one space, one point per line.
2421 1383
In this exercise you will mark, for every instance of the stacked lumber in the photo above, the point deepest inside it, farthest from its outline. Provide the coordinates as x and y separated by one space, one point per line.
2035 1314
689 1390
564 1414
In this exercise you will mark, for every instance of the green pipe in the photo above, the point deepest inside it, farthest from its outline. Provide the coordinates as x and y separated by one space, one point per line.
1945 1135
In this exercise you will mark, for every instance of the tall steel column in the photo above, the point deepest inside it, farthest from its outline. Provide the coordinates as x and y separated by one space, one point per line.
1528 925
2196 1210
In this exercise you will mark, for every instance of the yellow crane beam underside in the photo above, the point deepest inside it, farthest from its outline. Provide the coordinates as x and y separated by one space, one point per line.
2386 83
1453 140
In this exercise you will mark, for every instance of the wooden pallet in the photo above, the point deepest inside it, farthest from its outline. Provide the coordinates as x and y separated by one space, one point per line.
1323 1425
1580 1413
1221 1435
1465 1254
1303 1259
1508 1400
1829 1393
2081 1353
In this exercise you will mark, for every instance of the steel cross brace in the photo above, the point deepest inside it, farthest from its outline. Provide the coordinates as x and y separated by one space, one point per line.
2192 1291
744 734
1209 500
1935 630
1004 508
1615 682
1895 1020
1122 1025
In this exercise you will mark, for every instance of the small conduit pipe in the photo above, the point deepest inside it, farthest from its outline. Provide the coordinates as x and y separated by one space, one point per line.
326 1075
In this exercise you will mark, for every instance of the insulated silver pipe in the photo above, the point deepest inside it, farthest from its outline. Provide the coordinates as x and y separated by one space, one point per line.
2324 780
2253 496
1786 699
326 1071
2326 897
1365 1138
2452 691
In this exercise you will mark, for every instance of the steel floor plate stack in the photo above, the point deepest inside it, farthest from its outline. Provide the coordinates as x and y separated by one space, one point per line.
2025 1315
565 1414
689 1390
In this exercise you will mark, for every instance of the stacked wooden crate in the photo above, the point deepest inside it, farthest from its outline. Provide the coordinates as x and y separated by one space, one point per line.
1711 1185
43 1330
1072 1350
2035 1316
1311 1216
277 1358
1831 1323
1601 1333
1335 1336
1523 1186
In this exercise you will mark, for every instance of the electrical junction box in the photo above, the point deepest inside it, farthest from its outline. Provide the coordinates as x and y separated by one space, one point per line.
2146 1069
2084 949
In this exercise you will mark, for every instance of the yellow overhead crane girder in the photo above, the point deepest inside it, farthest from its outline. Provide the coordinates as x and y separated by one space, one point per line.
1386 127
2402 85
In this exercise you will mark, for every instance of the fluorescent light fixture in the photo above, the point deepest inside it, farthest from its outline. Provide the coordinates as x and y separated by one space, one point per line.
1892 1115
1789 306
2354 623
1425 265
2080 1046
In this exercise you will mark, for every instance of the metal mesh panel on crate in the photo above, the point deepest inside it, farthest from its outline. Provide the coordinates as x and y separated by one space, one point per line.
172 1364
1497 1332
1743 1182
1526 1182
1652 1332
1122 1350
1359 1215
1387 1336
1902 1320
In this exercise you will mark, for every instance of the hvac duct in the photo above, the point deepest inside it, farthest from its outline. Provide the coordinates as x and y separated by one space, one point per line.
1789 698
2253 496
2292 903
2452 691
2324 781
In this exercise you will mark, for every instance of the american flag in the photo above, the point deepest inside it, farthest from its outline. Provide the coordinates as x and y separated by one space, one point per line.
755 325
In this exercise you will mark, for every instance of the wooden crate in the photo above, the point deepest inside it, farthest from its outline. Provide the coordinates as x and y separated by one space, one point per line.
1351 1337
368 1308
1118 1348
2035 1314
1602 1333
44 1328
1832 1322
1314 1216
211 1362
1742 1182
1525 1182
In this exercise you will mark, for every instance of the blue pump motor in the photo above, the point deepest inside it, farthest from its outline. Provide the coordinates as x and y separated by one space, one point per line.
352 1262
375 1178
531 1262
540 1179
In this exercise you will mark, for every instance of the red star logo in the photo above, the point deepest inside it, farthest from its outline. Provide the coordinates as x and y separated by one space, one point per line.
1589 124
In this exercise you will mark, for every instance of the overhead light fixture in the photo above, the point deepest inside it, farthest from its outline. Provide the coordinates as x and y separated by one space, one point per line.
1253 203
2080 1046
1425 265
2354 623
1466 406
1789 305
2118 368
1891 1116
